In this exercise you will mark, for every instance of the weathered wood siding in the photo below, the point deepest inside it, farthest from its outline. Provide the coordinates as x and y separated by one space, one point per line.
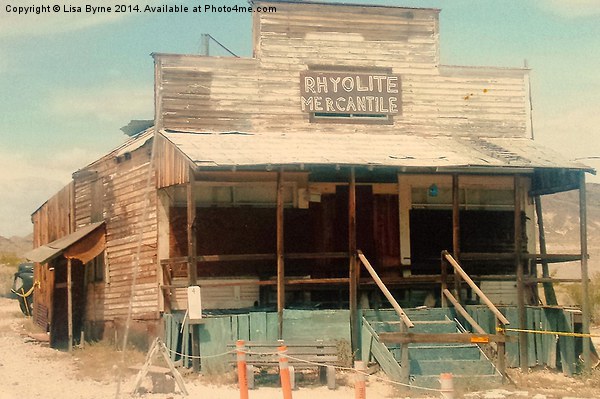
172 166
124 188
53 220
263 94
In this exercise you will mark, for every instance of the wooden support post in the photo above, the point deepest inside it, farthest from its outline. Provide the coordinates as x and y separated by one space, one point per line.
518 229
280 258
444 282
456 233
585 303
501 351
192 268
69 305
353 266
549 293
404 359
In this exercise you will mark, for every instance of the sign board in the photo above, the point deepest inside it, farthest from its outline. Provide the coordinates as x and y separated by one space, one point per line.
350 93
194 303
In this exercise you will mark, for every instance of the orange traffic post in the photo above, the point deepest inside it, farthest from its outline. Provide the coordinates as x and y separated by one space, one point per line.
284 372
242 368
447 386
360 377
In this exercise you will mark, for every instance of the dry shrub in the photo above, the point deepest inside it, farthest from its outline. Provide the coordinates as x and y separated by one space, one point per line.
575 293
6 279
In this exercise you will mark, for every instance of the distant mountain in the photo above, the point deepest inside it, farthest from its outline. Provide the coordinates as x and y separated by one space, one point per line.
16 245
561 222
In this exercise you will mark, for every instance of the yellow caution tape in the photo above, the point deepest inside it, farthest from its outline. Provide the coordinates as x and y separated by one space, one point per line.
562 333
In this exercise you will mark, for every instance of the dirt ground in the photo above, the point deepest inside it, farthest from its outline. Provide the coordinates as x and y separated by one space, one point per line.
30 369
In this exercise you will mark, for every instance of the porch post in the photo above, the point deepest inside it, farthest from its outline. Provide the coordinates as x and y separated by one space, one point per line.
280 260
456 233
549 293
353 261
518 228
585 303
69 305
192 267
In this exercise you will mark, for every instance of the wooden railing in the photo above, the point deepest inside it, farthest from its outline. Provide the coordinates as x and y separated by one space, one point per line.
406 322
446 296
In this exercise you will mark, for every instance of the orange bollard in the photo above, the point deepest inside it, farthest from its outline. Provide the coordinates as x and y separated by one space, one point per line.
360 385
284 373
242 369
447 386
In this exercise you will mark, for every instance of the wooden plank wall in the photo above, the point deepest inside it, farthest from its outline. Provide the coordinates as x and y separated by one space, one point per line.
172 167
263 94
51 221
123 190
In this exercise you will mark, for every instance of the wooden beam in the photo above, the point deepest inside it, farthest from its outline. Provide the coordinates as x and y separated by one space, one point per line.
69 305
280 258
475 288
518 230
456 231
353 286
192 264
431 338
549 293
463 312
585 303
388 295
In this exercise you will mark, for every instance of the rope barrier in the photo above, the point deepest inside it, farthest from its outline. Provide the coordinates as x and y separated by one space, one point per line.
341 368
566 334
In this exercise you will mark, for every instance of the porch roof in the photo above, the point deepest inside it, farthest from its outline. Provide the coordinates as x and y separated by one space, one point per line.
229 149
45 253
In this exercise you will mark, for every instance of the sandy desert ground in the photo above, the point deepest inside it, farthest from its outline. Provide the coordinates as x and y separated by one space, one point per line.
29 369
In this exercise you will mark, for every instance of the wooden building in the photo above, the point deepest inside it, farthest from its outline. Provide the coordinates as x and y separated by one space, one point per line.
262 177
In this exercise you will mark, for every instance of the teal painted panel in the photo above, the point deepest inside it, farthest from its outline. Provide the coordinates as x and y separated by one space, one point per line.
539 338
243 321
316 324
234 328
272 326
531 338
566 345
215 334
550 342
258 326
383 356
512 348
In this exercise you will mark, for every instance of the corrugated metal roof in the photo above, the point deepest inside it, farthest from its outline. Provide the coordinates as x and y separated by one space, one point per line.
49 251
247 149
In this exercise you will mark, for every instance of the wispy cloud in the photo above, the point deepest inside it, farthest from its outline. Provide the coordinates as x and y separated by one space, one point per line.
112 104
27 182
571 8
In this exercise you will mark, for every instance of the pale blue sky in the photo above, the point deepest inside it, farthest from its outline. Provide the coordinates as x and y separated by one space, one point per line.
70 81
